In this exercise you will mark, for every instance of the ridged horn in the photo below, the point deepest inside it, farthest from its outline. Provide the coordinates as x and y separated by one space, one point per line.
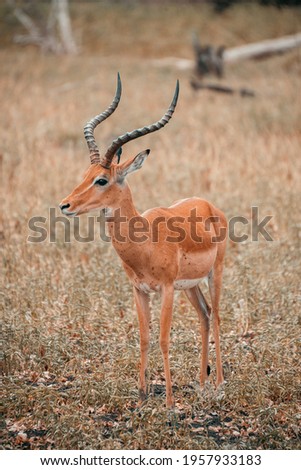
123 139
90 126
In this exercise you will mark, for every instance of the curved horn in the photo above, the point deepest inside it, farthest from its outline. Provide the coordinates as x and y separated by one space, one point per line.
123 139
90 126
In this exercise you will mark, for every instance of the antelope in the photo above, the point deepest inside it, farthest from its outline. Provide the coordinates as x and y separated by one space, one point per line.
158 262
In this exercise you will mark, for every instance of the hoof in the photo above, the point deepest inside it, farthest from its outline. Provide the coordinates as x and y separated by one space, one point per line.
142 395
219 383
170 403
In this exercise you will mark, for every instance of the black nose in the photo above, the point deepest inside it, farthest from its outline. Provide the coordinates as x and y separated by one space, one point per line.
64 206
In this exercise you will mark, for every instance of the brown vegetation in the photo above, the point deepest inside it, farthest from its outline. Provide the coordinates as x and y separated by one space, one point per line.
71 337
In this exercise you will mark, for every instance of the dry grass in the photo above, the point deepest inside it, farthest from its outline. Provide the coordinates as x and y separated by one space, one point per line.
71 338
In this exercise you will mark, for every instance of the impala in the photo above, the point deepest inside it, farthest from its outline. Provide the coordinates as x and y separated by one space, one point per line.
161 262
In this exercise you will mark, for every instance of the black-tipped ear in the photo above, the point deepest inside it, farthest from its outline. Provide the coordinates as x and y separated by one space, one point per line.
133 164
139 160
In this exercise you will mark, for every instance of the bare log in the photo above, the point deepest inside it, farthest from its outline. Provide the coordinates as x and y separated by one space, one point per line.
263 49
177 62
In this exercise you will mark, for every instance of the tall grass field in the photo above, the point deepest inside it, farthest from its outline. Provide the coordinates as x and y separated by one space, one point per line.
70 329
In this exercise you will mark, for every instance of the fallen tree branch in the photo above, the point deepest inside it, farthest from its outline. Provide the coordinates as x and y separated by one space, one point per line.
263 49
221 88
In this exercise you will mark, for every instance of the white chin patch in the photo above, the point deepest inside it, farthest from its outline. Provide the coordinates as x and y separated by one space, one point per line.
69 214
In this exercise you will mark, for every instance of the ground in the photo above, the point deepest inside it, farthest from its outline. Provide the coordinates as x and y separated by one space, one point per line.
71 342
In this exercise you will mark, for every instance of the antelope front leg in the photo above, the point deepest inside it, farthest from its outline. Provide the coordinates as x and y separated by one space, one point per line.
165 325
142 305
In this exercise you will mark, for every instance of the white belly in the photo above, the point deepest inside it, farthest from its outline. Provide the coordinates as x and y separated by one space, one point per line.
180 284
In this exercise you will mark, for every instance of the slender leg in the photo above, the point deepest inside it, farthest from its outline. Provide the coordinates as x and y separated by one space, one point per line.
142 305
215 284
165 325
197 299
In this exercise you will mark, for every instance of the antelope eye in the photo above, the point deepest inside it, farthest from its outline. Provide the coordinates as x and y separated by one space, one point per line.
101 182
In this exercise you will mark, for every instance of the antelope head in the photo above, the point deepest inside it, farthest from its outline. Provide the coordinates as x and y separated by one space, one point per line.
103 182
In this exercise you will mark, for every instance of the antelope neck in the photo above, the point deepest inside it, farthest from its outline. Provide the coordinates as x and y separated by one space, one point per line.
125 208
